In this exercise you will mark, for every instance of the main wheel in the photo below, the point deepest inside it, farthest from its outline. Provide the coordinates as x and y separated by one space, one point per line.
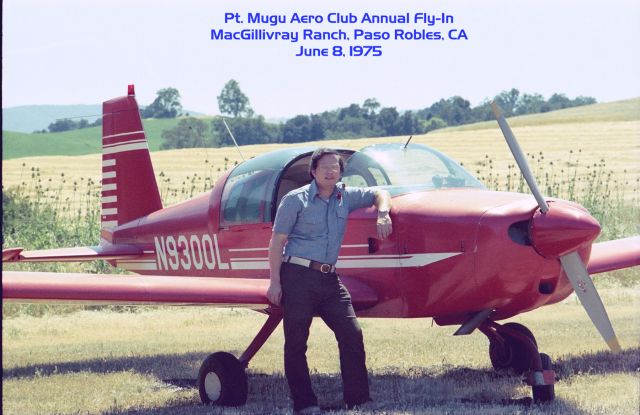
544 393
222 380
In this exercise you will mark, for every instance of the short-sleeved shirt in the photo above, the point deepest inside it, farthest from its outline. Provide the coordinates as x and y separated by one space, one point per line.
315 227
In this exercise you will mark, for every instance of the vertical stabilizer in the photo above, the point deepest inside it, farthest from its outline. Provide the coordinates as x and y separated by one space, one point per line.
129 188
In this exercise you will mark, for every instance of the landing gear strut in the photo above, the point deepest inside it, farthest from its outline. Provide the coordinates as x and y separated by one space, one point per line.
222 379
513 346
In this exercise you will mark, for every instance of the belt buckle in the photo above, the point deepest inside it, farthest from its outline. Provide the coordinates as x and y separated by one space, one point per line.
325 268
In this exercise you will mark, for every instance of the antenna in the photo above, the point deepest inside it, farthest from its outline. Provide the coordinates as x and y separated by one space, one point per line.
233 138
407 143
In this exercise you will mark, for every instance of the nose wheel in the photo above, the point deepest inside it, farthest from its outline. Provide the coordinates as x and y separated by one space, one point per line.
513 346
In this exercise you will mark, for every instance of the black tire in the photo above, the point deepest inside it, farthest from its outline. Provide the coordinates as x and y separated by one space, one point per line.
544 393
222 380
500 354
521 359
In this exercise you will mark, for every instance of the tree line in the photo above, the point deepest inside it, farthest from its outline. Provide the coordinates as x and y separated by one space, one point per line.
368 119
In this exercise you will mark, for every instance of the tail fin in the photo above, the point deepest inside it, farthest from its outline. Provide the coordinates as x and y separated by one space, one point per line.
129 187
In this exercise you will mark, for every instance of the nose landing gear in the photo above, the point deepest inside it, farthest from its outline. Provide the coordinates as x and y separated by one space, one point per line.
513 346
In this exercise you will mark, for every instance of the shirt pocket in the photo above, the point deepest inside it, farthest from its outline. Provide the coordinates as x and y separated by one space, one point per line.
342 215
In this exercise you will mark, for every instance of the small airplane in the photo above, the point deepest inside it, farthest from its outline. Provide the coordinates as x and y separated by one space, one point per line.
459 253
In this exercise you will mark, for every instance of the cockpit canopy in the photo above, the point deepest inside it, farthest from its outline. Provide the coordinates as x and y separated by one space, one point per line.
401 169
253 190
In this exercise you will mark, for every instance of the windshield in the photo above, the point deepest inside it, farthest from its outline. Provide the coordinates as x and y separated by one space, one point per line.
401 169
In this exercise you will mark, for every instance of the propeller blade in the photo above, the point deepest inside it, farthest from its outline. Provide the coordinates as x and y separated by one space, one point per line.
520 157
586 292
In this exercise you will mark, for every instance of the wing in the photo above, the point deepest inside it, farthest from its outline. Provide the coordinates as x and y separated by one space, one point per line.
147 289
612 255
77 254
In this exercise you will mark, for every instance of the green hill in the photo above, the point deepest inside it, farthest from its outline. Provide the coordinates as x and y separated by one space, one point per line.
87 141
74 142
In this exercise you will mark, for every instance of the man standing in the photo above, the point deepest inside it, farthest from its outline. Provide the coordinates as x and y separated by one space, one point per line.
309 226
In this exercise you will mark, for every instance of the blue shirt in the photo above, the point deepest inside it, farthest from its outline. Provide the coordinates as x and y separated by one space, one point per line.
315 227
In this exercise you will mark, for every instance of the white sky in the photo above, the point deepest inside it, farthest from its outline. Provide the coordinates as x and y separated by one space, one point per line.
84 52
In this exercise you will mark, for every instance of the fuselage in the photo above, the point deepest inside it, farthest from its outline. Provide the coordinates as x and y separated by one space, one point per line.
452 252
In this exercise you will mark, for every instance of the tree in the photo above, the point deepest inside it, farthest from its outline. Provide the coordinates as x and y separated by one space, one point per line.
558 101
530 104
454 111
297 129
246 131
166 105
370 106
388 120
62 125
190 132
507 101
233 101
410 124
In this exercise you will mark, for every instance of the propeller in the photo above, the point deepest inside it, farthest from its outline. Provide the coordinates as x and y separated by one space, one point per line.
569 258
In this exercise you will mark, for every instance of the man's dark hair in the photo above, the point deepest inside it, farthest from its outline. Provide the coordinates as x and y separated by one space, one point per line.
318 154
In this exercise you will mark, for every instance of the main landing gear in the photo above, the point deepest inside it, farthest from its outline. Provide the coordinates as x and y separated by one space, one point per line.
512 346
222 379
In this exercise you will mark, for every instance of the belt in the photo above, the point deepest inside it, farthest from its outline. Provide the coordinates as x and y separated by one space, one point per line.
318 266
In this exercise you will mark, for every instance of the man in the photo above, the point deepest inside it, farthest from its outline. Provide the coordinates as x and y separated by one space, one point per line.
309 226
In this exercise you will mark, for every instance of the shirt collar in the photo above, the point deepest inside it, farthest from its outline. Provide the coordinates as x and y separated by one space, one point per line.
313 189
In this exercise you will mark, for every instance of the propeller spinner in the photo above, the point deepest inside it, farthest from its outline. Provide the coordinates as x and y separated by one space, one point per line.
554 241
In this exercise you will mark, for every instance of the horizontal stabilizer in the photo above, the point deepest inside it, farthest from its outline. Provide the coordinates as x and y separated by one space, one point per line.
51 287
77 254
613 255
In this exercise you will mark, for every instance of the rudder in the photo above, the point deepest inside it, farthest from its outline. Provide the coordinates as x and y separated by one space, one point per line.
129 187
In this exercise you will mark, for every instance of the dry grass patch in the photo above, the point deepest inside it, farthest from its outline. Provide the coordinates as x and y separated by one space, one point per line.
566 145
146 363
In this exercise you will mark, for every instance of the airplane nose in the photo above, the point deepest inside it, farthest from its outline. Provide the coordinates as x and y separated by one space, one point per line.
563 229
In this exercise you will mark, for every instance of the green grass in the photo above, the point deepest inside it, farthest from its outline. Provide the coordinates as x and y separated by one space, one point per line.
146 362
74 142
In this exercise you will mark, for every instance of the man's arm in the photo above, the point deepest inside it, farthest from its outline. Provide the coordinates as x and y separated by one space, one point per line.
383 204
276 245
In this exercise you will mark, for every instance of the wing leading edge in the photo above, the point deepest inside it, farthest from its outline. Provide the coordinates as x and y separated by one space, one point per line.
76 254
160 290
613 255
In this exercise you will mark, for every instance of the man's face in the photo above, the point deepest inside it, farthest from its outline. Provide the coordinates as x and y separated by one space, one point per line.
327 173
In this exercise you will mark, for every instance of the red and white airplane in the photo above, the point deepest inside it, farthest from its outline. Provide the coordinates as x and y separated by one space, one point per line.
459 253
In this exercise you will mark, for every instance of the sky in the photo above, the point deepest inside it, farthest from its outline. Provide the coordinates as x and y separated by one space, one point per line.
85 52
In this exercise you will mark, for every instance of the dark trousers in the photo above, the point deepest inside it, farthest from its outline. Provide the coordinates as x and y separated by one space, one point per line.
305 293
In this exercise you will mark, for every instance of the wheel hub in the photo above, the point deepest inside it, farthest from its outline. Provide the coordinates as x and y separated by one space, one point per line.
213 386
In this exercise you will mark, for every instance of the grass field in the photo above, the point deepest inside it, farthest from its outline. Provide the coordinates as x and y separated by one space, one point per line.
567 145
146 362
